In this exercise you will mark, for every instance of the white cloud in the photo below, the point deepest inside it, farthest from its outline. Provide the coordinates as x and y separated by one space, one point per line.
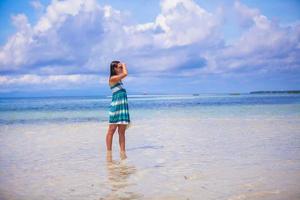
37 5
263 46
66 33
180 31
245 15
181 22
32 79
82 36
13 53
184 23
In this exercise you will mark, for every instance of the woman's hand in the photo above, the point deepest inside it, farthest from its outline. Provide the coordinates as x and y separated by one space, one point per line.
124 68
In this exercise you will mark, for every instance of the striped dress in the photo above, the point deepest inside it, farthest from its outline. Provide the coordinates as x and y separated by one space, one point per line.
118 109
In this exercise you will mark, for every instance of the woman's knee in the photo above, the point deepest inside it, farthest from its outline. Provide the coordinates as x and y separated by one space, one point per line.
112 129
121 129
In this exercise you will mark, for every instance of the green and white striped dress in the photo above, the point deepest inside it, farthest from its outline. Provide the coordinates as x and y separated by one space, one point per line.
119 109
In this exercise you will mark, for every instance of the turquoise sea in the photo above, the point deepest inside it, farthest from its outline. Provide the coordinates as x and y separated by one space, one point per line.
210 146
95 109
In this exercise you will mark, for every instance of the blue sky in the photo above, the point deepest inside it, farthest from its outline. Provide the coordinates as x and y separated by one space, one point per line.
169 46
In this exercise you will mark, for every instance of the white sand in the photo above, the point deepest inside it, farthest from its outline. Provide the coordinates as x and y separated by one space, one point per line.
168 158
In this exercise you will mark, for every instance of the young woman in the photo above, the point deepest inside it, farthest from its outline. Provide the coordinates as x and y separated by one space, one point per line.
118 111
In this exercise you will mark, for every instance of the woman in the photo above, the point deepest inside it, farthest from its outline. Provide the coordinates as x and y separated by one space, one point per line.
118 111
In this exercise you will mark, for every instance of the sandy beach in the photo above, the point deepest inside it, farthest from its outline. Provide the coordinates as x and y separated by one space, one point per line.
209 90
181 158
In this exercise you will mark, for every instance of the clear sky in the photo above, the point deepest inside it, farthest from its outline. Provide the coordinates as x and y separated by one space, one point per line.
169 46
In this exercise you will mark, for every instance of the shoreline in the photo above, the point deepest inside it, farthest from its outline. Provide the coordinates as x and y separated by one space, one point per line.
215 158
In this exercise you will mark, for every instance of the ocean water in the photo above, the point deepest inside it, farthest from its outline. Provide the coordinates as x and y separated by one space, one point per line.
211 146
95 109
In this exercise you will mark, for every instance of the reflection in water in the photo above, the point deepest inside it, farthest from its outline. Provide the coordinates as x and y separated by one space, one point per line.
118 173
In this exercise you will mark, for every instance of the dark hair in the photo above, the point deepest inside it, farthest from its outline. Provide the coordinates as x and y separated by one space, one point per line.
113 64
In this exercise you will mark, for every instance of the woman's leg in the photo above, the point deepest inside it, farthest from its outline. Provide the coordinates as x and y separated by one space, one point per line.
121 131
109 136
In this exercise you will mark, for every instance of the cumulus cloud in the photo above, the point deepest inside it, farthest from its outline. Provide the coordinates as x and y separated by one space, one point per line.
175 25
38 6
32 79
66 34
75 37
264 46
84 36
180 32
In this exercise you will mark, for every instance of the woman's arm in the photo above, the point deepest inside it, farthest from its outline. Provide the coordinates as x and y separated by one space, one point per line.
124 69
118 77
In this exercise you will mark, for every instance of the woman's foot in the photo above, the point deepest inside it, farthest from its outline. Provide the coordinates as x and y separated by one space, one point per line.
109 155
123 155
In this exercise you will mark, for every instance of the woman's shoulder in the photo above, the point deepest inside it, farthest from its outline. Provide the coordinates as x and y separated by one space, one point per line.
113 83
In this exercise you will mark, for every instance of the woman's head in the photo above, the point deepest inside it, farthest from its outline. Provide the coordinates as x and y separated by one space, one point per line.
115 68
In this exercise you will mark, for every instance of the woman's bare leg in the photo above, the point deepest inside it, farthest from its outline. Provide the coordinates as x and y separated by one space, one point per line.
109 136
121 131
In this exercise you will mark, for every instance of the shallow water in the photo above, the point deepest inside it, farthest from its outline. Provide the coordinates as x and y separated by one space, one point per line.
229 151
95 109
